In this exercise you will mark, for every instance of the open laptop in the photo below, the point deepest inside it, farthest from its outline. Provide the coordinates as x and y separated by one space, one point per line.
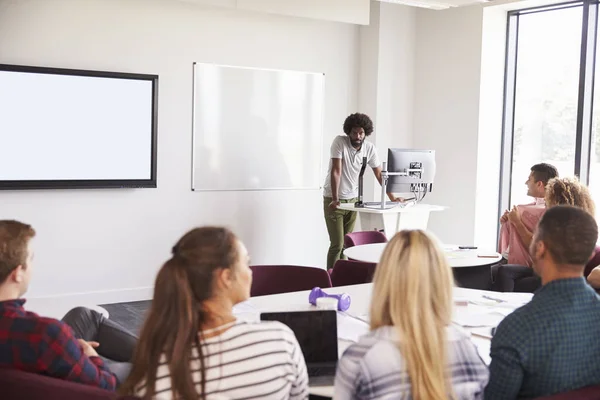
316 332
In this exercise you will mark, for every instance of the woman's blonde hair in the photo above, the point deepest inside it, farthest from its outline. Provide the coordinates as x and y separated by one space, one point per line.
569 191
412 291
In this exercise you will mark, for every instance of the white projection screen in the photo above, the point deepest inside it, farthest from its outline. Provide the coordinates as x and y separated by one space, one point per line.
256 129
63 128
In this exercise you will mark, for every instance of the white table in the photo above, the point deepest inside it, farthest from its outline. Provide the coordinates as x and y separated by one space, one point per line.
457 258
393 219
478 309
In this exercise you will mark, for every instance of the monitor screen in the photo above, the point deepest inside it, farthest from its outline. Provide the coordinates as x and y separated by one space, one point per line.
410 160
63 128
316 332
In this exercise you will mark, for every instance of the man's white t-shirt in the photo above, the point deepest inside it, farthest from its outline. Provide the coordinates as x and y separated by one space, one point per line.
351 165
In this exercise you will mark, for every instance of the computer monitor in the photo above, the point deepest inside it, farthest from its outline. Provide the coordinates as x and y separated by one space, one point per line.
405 160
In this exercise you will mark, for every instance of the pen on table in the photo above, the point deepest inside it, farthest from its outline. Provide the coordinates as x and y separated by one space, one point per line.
493 298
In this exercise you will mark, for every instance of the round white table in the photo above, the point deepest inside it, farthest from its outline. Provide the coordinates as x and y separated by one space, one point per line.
456 257
471 268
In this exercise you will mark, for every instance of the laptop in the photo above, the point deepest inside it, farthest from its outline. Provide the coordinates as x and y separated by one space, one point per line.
316 332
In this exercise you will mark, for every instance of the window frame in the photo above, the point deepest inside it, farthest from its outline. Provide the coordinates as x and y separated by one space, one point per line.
585 97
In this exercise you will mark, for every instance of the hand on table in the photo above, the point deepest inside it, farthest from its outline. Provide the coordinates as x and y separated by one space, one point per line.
88 348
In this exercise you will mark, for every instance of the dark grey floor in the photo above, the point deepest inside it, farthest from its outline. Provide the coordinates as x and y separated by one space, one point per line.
129 315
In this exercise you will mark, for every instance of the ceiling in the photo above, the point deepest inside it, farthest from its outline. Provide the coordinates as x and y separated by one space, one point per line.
435 4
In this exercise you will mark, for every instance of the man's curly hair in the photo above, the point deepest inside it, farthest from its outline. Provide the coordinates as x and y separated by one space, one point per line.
569 191
358 120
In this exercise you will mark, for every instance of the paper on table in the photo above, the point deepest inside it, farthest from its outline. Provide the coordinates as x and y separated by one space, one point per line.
350 327
466 319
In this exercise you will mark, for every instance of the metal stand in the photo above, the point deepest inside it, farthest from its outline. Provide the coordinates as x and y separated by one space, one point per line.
418 189
359 203
415 188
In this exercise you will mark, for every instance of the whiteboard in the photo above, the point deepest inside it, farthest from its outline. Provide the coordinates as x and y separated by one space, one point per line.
256 129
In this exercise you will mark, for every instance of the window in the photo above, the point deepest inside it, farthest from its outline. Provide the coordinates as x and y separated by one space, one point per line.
548 97
594 175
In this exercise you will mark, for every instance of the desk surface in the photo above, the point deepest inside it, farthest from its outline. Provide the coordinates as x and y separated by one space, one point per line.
456 257
478 309
394 210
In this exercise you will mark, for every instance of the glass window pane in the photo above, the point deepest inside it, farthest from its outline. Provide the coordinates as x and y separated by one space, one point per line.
549 46
594 182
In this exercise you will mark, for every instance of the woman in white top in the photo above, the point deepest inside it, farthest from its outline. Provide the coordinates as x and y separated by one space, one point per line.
412 350
191 345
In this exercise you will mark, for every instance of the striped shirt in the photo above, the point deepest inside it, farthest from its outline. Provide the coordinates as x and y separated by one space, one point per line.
260 360
374 368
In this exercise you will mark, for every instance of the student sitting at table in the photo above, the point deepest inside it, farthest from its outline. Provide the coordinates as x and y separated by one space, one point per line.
550 345
559 191
412 351
192 346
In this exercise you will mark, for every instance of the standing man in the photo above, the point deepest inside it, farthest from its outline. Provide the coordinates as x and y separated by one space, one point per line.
341 184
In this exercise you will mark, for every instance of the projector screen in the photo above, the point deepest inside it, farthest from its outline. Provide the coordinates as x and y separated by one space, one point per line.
64 128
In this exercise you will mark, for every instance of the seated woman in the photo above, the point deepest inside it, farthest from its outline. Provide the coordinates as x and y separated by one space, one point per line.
559 191
191 345
412 350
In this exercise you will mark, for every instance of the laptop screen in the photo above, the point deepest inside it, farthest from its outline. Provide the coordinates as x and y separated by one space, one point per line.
316 332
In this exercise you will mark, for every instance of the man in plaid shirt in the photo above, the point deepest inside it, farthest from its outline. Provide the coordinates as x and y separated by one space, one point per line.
551 344
32 343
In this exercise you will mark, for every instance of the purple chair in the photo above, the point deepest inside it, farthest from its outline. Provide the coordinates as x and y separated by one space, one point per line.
593 263
586 393
274 279
365 237
17 384
347 272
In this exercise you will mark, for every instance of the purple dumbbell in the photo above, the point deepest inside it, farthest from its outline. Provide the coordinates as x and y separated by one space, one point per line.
343 299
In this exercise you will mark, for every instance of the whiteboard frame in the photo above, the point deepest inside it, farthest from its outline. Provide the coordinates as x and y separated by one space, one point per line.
194 124
49 184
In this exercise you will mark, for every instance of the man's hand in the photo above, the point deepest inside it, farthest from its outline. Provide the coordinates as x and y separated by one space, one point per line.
504 217
397 199
514 216
334 205
88 348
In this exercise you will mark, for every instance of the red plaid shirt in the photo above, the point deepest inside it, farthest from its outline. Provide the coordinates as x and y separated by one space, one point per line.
47 346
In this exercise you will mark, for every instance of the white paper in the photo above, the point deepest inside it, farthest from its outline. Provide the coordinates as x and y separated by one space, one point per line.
350 328
468 319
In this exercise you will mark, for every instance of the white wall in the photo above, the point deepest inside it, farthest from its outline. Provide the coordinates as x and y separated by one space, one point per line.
396 83
447 96
490 125
108 244
386 79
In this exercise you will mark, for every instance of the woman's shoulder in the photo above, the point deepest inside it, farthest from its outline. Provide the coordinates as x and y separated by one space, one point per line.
263 327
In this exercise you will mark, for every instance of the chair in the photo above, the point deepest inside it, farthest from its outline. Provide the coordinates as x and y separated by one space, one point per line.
531 283
346 272
18 384
365 237
586 393
274 279
593 263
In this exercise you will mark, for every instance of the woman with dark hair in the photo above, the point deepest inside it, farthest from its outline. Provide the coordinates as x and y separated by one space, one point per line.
193 347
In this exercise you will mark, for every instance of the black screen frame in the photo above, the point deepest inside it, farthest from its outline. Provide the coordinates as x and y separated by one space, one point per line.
309 335
92 183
